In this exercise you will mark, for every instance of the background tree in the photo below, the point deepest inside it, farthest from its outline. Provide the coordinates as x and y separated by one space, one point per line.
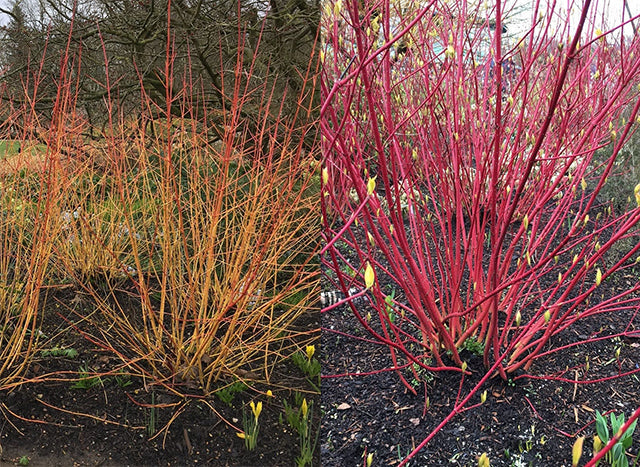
119 49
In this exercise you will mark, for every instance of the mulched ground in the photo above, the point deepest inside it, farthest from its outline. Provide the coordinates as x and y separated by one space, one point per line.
533 420
524 422
54 424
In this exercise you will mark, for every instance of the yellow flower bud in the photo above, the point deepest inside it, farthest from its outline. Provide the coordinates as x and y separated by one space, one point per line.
311 349
371 185
240 435
369 276
450 52
337 7
598 276
547 316
269 393
256 409
304 408
484 460
372 241
325 176
483 397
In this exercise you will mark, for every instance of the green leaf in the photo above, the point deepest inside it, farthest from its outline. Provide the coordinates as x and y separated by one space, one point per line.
616 422
618 454
601 428
626 439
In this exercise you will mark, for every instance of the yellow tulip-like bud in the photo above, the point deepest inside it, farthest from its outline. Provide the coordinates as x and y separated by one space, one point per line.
484 460
269 393
598 276
256 409
240 435
575 258
636 191
369 459
559 278
304 408
577 451
464 366
518 318
325 176
371 185
618 353
311 349
583 184
483 397
372 241
510 100
391 229
614 135
528 256
547 316
369 276
525 221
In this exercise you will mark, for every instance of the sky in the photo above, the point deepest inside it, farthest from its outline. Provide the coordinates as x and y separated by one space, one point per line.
612 10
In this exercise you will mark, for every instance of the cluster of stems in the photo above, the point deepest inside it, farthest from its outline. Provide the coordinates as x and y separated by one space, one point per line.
467 165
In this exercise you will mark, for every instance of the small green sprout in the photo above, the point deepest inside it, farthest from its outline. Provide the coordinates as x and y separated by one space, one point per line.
85 381
616 457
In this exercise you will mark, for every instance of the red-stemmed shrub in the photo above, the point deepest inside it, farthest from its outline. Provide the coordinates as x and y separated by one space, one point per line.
464 167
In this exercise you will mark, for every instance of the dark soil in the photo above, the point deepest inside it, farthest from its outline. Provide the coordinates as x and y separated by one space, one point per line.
525 421
110 424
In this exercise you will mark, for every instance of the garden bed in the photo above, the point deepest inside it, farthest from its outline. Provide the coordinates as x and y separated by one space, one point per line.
115 419
523 422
